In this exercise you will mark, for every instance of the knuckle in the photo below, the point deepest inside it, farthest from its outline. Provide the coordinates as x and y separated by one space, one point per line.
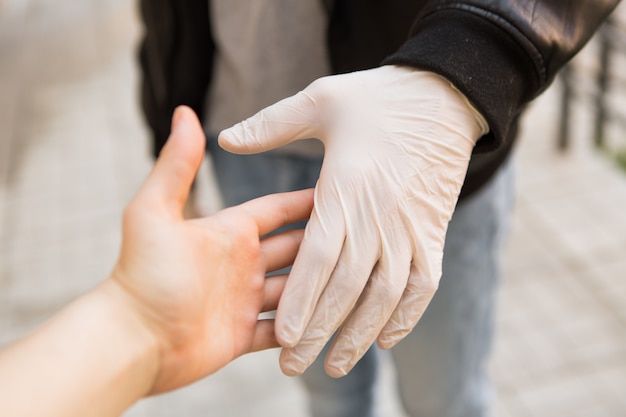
430 286
423 288
318 251
242 240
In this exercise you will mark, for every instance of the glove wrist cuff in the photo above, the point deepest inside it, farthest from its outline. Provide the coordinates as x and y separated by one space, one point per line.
480 120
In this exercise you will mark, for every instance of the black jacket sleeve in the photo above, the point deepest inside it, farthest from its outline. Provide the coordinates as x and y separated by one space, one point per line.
500 54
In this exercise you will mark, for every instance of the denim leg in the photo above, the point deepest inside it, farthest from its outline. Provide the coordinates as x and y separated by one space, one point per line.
442 364
352 395
243 177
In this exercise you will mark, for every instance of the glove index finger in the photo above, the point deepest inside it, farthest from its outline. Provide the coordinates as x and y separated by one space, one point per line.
418 294
314 264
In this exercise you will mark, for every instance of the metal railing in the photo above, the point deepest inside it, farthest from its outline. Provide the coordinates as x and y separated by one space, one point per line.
598 88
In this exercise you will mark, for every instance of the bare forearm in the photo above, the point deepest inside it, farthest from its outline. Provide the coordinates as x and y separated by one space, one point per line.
92 359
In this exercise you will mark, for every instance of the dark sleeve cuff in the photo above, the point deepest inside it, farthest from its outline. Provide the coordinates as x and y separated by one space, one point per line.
480 59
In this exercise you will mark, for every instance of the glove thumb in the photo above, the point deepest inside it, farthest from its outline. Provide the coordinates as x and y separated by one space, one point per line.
290 119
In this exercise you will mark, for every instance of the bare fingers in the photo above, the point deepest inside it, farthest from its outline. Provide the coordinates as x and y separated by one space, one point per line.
264 334
279 251
273 211
274 287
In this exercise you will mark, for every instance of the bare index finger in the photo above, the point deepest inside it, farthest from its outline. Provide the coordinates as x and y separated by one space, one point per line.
279 251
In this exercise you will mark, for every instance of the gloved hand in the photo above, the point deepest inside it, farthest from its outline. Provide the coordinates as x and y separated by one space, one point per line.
397 145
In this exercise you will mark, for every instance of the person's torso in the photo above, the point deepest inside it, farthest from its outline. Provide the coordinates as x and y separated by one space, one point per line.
266 50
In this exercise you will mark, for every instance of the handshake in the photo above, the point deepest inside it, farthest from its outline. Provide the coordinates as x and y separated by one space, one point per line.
397 145
185 295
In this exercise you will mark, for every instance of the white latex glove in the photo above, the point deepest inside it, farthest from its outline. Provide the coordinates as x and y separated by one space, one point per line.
397 144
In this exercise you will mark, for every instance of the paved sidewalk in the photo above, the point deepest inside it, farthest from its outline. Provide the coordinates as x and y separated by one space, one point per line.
73 150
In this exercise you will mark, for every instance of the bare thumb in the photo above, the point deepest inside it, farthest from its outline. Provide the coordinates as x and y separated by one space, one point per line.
174 171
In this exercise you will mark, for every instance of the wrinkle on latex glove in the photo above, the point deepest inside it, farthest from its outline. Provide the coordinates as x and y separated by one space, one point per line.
397 145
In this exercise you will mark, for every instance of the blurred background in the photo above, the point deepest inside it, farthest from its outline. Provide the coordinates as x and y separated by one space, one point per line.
74 149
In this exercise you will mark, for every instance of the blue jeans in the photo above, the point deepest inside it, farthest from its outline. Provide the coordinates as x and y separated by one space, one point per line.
441 365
